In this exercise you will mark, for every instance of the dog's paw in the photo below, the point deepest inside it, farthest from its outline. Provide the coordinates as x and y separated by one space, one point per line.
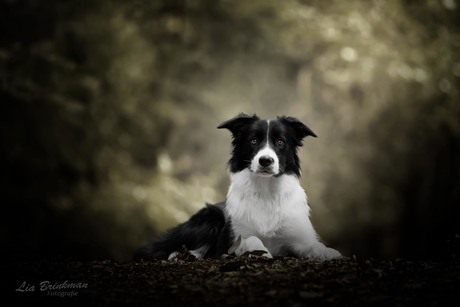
252 244
173 255
322 252
198 253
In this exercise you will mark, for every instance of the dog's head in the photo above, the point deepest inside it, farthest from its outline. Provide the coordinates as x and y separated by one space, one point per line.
266 147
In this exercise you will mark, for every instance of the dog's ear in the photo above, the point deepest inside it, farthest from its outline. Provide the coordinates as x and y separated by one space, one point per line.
239 121
299 128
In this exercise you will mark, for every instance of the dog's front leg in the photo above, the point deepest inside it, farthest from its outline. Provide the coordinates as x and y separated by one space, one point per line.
305 243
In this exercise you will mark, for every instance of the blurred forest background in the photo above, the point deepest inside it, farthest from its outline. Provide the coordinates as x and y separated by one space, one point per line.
110 108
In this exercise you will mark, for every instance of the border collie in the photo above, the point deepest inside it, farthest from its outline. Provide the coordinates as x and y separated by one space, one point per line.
266 208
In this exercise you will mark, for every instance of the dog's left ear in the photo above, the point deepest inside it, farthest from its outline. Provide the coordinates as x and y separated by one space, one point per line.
238 122
299 128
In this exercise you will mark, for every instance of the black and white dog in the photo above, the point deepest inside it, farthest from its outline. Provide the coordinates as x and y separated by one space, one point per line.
266 208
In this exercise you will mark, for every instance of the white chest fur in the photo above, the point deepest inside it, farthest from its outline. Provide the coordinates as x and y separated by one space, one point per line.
272 209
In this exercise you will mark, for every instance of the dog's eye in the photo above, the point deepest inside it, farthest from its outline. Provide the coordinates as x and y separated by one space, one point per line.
280 143
253 141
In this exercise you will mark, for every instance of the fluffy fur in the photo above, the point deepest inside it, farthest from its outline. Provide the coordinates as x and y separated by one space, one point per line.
266 208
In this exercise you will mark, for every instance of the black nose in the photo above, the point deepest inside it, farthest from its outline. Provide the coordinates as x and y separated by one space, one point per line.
265 161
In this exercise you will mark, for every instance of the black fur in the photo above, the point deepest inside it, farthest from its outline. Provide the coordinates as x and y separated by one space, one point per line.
208 227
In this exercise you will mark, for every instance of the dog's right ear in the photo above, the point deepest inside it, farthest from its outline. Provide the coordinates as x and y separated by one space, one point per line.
239 121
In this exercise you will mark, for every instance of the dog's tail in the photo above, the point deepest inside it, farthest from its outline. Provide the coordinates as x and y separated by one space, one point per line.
208 231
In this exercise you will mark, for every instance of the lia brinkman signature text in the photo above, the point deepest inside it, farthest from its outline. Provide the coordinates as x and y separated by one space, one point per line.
47 286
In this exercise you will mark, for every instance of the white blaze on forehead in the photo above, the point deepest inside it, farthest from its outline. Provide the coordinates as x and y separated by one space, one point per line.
268 130
266 151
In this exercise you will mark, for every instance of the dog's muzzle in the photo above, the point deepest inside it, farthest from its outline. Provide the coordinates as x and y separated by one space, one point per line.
265 163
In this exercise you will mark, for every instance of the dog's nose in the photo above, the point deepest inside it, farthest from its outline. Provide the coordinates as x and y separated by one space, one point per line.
265 161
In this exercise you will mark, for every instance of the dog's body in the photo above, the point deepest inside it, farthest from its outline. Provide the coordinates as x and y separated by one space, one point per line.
266 206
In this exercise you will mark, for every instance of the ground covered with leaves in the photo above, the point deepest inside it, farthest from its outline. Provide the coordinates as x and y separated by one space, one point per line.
246 280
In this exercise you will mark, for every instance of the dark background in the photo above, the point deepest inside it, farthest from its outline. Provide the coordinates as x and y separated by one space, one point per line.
110 108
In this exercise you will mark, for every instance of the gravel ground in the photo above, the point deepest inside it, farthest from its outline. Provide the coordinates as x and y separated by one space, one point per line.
247 280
